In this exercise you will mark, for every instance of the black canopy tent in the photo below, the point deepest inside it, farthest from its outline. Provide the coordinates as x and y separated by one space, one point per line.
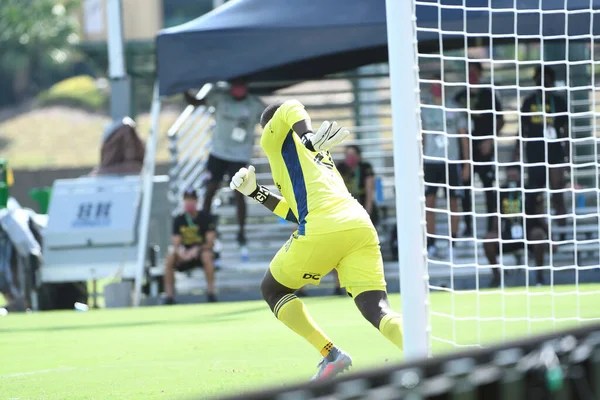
271 39
296 39
301 39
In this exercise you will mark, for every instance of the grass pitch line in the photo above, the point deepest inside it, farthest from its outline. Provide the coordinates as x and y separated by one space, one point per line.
218 363
38 372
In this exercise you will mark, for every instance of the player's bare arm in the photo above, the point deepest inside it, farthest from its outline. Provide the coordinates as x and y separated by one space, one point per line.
177 248
303 128
244 181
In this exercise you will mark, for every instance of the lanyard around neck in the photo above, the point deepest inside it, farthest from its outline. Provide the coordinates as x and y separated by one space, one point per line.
189 220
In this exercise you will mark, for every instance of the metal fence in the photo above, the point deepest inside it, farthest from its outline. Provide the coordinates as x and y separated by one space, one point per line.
361 101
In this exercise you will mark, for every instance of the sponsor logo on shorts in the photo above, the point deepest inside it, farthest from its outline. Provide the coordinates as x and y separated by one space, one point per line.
315 277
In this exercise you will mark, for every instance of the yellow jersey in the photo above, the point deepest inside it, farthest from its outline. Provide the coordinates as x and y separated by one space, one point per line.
309 181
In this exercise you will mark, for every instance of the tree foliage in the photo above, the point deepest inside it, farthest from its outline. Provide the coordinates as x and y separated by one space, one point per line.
36 42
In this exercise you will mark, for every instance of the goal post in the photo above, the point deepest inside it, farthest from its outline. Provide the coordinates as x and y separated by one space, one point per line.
407 170
495 114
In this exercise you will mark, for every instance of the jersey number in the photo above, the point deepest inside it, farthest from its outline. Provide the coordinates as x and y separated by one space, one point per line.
324 160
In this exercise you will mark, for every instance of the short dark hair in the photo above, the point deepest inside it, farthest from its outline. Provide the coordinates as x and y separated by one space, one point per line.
355 148
549 74
238 81
190 193
268 113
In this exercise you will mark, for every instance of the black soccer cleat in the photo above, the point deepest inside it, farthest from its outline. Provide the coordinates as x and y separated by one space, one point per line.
169 301
211 298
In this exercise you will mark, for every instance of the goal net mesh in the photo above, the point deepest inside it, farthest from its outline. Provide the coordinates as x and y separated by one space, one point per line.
508 109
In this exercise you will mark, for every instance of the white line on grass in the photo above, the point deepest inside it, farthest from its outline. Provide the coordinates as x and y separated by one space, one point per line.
40 371
149 364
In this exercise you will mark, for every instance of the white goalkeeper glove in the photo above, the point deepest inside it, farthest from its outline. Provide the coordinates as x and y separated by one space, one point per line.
326 137
244 181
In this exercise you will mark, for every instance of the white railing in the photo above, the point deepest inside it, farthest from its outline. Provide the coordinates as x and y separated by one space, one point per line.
189 143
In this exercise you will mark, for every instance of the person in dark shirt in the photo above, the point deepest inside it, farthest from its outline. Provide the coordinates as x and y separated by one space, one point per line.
515 229
550 143
194 234
360 179
485 123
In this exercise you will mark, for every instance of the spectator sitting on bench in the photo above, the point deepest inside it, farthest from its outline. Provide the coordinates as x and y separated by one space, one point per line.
515 229
193 242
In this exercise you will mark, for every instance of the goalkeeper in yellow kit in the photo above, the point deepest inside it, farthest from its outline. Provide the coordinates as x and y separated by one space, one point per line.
334 230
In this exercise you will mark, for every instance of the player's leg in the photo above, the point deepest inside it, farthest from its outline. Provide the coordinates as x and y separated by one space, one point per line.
295 265
539 251
467 208
169 276
290 310
536 177
491 249
557 181
240 201
487 175
455 217
375 308
207 259
361 272
338 289
241 217
216 168
293 313
454 193
431 175
430 200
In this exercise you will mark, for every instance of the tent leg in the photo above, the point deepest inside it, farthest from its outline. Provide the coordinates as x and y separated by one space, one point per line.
95 294
147 186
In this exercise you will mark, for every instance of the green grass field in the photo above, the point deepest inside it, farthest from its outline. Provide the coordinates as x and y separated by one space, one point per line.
201 351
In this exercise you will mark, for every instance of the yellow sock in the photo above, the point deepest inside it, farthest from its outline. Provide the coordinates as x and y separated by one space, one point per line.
293 313
390 326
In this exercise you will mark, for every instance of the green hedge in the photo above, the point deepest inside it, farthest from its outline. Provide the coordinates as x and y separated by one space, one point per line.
79 92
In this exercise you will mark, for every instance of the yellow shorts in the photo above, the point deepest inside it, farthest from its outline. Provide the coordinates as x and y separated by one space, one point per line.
354 253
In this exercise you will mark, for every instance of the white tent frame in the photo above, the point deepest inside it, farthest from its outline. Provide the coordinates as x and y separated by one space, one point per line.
147 177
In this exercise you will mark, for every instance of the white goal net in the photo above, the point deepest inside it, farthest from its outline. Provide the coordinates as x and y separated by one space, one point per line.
508 106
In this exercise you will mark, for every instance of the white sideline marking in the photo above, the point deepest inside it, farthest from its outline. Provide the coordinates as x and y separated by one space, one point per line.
41 371
129 365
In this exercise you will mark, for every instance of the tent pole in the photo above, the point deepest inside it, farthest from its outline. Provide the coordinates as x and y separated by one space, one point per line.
147 190
120 83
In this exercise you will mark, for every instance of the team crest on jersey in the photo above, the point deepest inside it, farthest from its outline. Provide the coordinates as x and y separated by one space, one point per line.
324 159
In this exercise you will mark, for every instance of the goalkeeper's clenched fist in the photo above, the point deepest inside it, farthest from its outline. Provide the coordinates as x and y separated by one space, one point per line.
327 136
244 181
